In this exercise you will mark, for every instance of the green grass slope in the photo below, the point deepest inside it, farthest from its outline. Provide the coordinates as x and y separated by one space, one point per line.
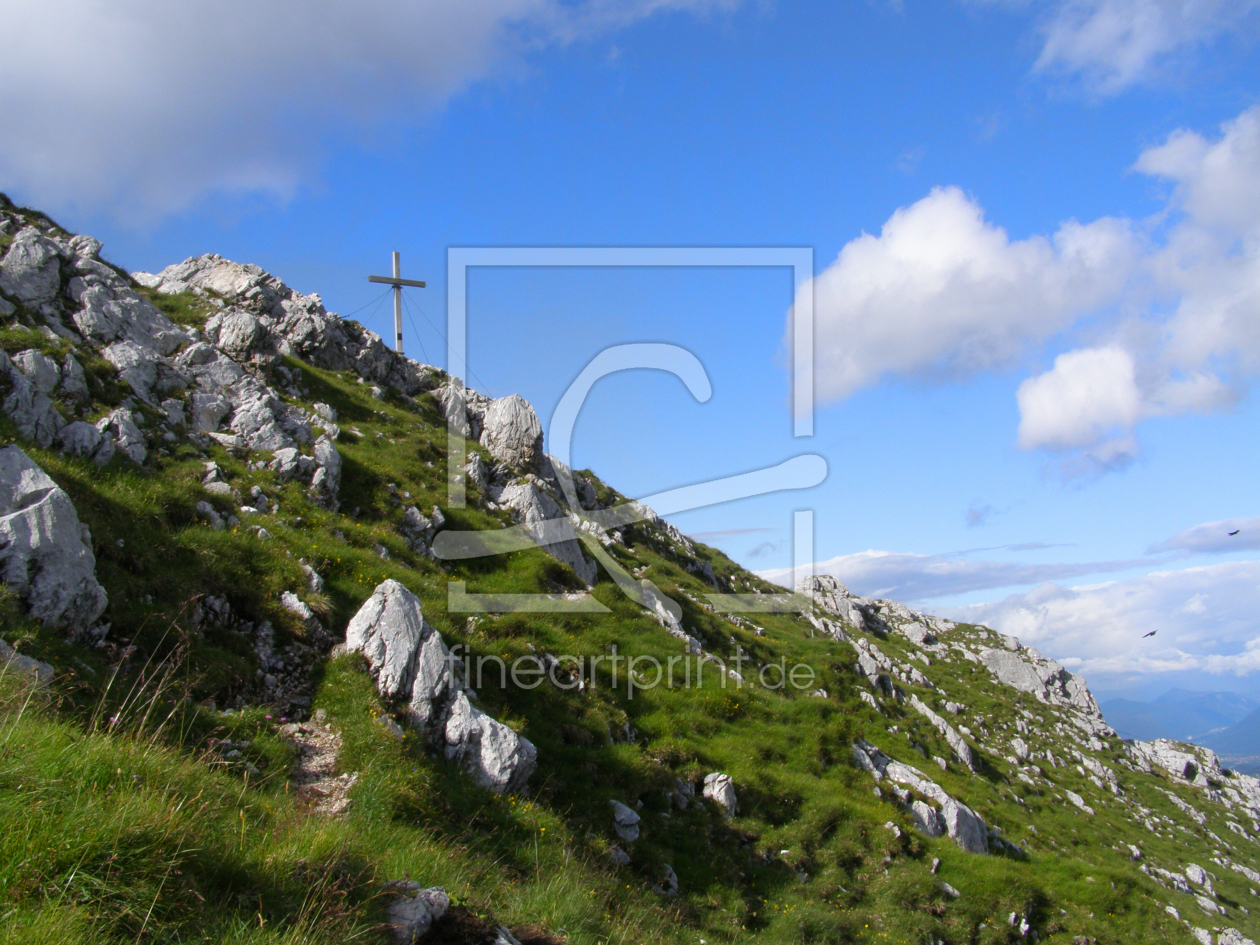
123 819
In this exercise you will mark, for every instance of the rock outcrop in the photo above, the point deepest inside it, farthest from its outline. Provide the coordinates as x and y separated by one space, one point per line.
45 552
1023 668
950 817
721 789
410 661
512 433
413 909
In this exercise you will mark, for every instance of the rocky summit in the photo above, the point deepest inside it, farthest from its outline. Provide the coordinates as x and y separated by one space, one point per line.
264 681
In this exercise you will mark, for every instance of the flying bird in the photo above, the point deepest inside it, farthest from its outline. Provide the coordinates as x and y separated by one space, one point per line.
1151 634
1235 531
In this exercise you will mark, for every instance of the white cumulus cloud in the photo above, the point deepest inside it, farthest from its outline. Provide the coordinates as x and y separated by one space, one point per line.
1087 394
1173 303
144 106
943 291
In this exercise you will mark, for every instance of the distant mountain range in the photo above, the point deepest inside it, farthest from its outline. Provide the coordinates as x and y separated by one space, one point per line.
1226 722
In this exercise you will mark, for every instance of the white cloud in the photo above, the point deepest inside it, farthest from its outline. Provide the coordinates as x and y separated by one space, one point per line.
143 106
1113 44
1215 537
1211 263
1087 395
900 576
942 291
1174 302
1091 399
1204 620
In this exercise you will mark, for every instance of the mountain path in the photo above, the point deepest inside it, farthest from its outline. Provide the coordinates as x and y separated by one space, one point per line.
314 779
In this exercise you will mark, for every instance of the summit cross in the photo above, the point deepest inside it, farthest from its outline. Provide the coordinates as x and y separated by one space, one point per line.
397 282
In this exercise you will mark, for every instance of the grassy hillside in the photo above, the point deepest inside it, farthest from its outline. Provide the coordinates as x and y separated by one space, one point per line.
126 817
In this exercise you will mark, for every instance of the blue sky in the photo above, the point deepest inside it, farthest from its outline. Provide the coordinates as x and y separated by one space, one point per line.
1036 229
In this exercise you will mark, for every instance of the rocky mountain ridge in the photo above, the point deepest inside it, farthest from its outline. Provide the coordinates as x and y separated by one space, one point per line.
110 381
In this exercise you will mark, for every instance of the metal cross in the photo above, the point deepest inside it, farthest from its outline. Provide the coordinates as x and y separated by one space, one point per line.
397 282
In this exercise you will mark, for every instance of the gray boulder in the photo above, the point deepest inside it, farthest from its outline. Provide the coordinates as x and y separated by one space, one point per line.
720 788
964 826
414 909
548 525
435 682
387 630
409 660
33 413
1188 762
478 473
39 369
326 482
926 819
207 512
17 662
625 822
31 269
1025 669
84 441
207 410
45 553
833 597
121 425
512 433
138 365
111 311
73 380
238 331
955 740
496 757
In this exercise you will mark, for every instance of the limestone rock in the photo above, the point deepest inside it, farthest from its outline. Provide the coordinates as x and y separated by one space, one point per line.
1078 801
1188 762
409 659
387 630
414 909
126 434
547 525
326 483
512 433
207 512
833 597
73 380
45 553
84 441
955 740
721 789
625 822
1199 876
110 311
926 819
496 757
964 826
1025 669
33 412
39 369
417 529
478 473
31 269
